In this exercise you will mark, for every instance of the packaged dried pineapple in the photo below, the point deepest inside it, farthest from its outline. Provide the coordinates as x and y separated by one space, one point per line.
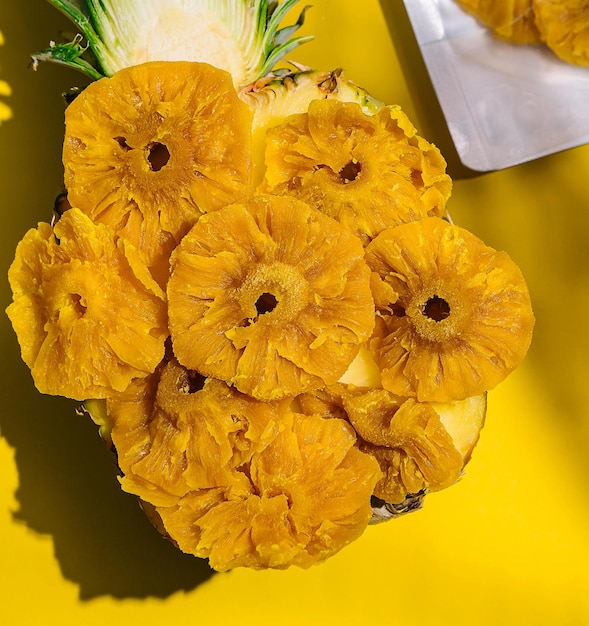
512 20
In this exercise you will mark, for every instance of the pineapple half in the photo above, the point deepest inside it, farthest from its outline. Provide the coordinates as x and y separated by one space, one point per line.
246 38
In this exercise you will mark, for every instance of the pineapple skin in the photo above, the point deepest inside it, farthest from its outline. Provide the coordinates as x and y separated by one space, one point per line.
281 94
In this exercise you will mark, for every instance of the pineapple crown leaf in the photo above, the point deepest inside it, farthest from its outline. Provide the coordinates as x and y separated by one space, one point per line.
241 36
69 54
75 12
279 42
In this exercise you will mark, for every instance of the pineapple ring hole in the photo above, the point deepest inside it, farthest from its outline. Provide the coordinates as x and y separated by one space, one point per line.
191 382
436 309
350 171
398 310
158 156
274 292
266 303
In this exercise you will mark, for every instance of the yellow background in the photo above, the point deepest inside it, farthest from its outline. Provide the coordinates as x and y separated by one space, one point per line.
507 545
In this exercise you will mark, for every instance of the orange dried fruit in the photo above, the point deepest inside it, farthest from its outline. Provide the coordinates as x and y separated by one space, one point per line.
326 401
512 20
420 447
177 432
271 296
564 27
150 149
239 481
454 316
414 450
88 316
369 172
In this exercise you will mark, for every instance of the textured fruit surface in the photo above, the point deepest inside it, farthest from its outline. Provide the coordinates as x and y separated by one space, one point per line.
454 315
283 362
239 481
414 450
420 446
88 316
271 295
369 172
279 96
564 26
512 20
152 148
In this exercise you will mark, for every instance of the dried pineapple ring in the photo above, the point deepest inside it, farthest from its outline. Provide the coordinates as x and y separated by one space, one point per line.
242 482
420 447
461 318
271 296
88 315
512 20
369 172
564 26
150 149
408 439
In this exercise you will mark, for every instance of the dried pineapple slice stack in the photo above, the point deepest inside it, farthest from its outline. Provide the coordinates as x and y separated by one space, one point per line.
144 154
256 290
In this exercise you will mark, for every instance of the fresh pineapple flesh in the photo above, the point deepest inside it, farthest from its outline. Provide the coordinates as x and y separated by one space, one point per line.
281 94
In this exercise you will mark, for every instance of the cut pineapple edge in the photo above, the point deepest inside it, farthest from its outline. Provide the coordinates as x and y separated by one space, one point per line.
463 419
244 37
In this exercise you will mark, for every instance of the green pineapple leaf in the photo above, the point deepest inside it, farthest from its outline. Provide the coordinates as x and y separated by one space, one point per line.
241 36
69 54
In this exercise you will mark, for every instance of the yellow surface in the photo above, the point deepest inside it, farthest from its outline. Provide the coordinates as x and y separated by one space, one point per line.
508 545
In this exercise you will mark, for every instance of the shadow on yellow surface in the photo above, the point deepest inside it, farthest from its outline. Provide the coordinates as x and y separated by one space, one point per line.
68 489
508 545
67 479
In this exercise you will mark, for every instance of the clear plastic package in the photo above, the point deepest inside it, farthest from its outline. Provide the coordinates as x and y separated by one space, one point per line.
504 103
